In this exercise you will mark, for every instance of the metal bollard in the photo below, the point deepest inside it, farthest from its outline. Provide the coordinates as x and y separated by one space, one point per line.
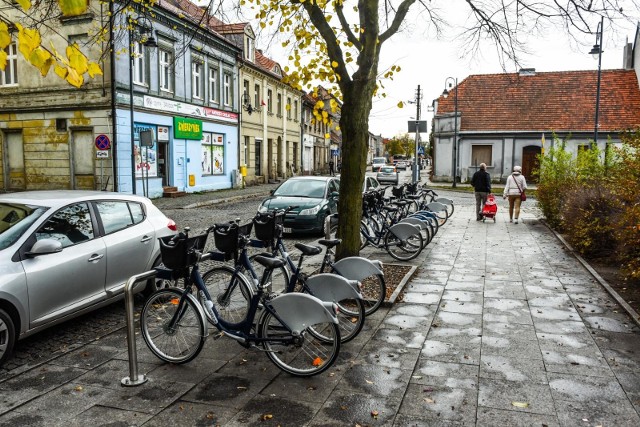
134 379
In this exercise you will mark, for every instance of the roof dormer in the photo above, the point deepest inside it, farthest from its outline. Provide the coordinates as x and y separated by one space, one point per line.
249 47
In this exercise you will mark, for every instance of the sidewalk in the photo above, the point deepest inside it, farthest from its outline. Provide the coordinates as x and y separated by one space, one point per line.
500 326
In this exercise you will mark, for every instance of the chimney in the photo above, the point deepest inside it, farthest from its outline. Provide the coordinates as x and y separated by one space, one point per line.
627 56
527 71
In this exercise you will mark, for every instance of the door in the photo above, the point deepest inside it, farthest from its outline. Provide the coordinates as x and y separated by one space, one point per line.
15 179
163 163
129 239
69 280
83 157
531 162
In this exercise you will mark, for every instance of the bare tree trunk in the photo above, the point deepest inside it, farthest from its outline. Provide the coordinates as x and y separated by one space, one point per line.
354 124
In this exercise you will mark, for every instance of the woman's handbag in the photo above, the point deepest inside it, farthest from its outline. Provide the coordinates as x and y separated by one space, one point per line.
523 196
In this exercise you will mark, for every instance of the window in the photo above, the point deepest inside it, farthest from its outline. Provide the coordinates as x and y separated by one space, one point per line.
166 70
279 105
258 98
269 100
214 95
196 80
139 72
295 110
228 94
249 49
70 225
481 154
212 153
119 215
245 87
247 141
258 156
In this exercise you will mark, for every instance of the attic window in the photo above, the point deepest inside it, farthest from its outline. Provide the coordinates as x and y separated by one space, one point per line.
527 71
276 69
249 49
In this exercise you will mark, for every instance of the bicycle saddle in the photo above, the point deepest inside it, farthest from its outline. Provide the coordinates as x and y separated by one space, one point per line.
307 249
269 262
330 243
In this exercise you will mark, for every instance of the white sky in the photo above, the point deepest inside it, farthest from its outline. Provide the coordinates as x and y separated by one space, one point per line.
428 63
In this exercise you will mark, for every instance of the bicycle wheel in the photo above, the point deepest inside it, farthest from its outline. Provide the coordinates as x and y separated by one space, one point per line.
403 249
308 355
181 342
351 314
230 293
279 280
374 291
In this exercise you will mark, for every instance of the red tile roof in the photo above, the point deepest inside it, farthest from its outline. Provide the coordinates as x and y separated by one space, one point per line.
554 101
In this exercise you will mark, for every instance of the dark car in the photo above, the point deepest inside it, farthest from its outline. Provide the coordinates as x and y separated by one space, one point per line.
388 174
315 197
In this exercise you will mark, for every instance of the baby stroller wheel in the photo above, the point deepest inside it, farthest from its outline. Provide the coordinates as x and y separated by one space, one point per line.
494 219
484 219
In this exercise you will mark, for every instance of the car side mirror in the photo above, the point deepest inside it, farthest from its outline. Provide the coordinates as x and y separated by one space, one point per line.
271 192
334 194
45 247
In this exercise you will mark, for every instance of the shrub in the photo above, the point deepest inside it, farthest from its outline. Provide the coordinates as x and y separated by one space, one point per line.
555 176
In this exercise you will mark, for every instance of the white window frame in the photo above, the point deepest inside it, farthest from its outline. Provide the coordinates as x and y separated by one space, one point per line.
258 96
165 59
279 104
228 96
214 89
289 109
196 79
270 101
10 79
139 62
249 50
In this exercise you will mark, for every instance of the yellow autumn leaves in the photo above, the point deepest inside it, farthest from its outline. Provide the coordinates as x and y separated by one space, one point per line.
70 67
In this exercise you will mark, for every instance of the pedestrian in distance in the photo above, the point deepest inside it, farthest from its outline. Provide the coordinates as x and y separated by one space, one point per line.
481 182
331 171
514 189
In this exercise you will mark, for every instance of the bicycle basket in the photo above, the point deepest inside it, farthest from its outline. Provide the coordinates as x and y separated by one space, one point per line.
180 253
397 192
265 225
226 236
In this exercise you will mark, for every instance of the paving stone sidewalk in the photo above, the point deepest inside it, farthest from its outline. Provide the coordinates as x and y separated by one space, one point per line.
500 326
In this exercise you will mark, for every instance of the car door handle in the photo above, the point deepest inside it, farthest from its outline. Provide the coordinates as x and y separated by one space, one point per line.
95 257
145 239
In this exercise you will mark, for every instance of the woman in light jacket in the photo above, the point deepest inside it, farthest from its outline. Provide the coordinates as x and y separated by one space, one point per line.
515 185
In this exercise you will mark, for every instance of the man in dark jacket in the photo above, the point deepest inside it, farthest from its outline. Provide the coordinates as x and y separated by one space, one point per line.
481 182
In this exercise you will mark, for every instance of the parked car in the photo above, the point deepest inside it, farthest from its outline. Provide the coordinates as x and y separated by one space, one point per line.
315 198
65 253
388 174
378 162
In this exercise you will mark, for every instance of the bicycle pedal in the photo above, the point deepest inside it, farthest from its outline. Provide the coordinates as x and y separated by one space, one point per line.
217 336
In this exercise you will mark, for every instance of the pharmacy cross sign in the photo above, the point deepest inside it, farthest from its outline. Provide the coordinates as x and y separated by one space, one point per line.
102 142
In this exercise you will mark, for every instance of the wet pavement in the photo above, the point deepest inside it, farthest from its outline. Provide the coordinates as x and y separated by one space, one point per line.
499 326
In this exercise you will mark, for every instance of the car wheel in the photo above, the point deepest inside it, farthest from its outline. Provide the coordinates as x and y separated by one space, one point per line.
7 336
155 284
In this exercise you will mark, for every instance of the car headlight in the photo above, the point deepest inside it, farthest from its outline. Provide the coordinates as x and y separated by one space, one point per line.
262 209
311 211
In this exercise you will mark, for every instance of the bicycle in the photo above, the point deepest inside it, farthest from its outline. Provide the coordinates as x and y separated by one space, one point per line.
231 300
298 332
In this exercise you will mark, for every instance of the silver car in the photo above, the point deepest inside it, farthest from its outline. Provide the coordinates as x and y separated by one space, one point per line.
65 253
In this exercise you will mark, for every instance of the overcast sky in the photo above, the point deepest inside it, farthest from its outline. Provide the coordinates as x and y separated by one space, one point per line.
428 63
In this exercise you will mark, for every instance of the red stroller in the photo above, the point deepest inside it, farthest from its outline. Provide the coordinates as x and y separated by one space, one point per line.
490 208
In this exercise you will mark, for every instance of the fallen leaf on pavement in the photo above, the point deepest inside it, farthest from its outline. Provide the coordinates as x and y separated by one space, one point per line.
520 404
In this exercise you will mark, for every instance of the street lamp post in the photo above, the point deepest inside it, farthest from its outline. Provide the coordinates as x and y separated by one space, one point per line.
143 35
455 123
597 51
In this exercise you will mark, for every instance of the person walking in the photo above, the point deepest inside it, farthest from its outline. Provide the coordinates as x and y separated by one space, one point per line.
481 182
331 171
513 189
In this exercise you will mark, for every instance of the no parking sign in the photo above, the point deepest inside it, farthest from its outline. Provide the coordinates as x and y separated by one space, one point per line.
102 142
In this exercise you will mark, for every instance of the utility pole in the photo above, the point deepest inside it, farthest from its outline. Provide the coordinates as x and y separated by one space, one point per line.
416 168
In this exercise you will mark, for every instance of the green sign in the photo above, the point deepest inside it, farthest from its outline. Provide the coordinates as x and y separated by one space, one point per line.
184 128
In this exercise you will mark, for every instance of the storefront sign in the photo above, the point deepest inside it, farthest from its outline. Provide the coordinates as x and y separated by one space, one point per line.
163 134
184 128
169 106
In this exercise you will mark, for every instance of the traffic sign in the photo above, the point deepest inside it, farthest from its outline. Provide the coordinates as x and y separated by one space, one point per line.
421 150
102 142
102 154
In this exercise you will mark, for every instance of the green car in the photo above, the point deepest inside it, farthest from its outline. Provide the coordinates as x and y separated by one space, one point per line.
315 197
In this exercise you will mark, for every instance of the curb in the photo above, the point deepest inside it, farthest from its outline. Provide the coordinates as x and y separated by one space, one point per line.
225 200
632 313
407 277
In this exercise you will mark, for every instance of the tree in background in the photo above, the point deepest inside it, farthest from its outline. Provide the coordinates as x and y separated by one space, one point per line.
402 145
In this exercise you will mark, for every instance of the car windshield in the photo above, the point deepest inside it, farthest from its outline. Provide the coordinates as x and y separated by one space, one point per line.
379 160
302 188
387 170
15 219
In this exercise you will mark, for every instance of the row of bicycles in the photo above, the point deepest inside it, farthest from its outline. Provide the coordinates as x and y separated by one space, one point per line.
265 300
403 223
262 300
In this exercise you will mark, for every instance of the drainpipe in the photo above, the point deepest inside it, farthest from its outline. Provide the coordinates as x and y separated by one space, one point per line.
114 122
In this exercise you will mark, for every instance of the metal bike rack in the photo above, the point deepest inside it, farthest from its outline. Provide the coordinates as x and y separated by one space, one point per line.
134 379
